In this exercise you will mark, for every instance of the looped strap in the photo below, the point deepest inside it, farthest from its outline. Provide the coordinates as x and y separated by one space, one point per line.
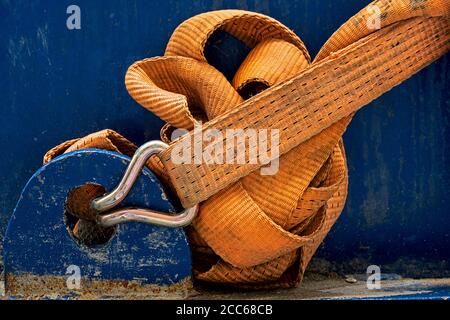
261 231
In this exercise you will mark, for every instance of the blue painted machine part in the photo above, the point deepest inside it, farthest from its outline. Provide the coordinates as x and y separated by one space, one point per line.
38 241
57 84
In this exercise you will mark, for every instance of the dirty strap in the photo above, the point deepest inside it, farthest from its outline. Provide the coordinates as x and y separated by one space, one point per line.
261 231
331 89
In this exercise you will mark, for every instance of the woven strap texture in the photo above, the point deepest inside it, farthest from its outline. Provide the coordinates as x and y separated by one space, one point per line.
261 231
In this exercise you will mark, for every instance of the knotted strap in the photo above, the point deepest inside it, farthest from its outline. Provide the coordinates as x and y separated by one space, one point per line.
256 230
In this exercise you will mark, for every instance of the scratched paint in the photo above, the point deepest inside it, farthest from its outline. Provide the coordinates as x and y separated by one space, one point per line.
38 242
59 84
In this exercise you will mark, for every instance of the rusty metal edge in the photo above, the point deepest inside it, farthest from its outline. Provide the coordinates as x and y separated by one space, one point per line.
33 287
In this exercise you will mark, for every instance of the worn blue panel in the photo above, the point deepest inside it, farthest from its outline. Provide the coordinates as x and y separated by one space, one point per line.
38 241
399 155
437 293
58 84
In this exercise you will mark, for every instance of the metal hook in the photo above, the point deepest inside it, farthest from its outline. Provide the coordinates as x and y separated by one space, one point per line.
115 197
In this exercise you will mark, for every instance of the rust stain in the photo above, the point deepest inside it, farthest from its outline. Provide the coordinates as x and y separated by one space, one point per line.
32 287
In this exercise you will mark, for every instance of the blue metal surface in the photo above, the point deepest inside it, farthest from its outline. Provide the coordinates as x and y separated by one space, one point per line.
438 293
58 84
38 242
415 293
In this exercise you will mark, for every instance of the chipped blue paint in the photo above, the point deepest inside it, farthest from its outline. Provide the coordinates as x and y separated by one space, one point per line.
37 240
425 293
438 293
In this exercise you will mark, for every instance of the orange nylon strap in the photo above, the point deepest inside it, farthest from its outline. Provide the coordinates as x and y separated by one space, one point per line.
323 94
261 231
